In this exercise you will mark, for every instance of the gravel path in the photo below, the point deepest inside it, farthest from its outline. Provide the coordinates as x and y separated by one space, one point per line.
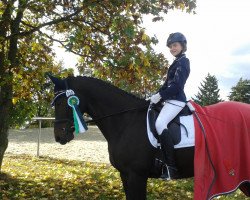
90 146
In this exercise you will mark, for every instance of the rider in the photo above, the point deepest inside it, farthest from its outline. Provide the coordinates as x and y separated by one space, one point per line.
172 92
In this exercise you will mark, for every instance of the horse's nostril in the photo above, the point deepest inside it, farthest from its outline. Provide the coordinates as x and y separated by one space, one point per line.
72 128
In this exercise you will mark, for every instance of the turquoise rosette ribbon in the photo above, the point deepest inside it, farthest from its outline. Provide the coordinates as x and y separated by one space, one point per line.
79 123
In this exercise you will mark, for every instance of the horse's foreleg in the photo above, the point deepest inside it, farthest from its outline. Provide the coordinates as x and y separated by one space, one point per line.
136 187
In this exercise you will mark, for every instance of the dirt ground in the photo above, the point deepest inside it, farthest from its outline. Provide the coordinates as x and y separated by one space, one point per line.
90 146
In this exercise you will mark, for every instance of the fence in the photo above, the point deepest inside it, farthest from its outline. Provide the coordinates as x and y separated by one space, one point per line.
39 119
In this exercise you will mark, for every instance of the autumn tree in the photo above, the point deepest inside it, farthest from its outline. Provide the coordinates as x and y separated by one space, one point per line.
107 34
241 92
208 92
31 93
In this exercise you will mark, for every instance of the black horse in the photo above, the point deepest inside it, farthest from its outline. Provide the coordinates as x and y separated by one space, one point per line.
121 117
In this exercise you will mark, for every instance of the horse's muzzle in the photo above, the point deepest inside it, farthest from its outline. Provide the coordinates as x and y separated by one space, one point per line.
64 140
64 136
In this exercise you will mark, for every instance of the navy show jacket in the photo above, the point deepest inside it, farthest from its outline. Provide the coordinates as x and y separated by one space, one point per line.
173 88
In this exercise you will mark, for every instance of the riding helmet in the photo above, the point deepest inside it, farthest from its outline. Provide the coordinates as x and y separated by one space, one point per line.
177 37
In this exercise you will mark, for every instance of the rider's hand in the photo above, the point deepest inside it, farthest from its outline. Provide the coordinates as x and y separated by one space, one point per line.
155 98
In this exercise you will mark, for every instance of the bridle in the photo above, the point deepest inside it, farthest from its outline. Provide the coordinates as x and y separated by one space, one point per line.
57 95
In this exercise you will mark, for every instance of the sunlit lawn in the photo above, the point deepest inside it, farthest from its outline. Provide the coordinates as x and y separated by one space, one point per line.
26 177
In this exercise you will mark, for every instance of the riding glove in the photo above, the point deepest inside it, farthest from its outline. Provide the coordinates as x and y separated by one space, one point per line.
155 98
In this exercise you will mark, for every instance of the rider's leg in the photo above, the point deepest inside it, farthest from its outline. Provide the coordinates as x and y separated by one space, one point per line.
168 113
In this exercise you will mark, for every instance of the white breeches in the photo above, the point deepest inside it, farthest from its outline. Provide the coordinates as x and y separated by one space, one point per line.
169 111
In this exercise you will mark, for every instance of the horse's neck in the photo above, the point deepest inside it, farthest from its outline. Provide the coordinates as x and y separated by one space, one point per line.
109 102
104 99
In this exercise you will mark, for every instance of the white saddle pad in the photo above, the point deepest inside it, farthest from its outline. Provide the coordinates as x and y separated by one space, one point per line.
187 139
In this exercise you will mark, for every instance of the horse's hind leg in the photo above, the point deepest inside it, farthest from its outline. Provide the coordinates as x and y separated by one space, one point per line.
124 178
136 187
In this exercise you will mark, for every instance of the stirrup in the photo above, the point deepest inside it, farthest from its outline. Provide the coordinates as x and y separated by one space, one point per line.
163 175
168 173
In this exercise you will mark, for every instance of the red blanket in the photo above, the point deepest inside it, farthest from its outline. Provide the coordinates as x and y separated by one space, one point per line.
222 155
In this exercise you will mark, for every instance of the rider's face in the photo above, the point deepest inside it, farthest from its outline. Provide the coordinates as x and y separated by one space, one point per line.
175 48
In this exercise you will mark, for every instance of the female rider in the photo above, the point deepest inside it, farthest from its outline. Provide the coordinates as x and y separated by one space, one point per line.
172 93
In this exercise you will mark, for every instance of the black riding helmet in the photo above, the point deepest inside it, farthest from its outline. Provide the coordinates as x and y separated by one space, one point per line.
177 37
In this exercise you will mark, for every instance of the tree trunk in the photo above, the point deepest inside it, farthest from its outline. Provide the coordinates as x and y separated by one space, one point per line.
6 93
8 62
5 111
3 145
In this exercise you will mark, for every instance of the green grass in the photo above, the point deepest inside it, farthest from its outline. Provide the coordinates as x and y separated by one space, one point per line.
26 177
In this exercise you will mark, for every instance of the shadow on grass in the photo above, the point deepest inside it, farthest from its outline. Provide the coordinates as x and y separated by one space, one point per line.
56 189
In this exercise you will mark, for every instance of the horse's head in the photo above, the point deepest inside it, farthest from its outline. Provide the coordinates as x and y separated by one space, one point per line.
64 123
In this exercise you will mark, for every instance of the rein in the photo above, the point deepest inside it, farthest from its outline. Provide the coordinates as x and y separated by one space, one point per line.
114 114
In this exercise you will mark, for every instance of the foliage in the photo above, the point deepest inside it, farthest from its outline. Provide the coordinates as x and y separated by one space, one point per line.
44 178
117 48
32 92
208 92
241 92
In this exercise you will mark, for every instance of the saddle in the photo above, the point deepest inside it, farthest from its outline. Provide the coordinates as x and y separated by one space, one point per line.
174 126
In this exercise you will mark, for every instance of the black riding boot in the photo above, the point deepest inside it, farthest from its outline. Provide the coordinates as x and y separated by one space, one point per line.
167 147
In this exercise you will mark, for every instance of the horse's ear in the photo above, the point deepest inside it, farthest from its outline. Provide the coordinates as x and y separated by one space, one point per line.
59 83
